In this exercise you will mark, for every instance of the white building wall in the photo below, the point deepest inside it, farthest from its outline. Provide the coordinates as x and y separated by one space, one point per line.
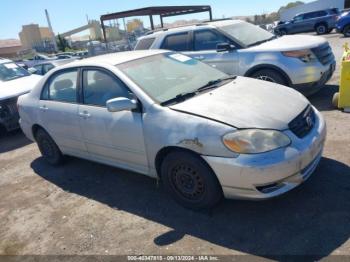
312 6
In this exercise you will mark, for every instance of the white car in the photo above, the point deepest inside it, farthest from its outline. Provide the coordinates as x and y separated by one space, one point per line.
203 133
14 81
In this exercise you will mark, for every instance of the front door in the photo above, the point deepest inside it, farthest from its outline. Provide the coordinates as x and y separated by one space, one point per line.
205 49
59 112
114 138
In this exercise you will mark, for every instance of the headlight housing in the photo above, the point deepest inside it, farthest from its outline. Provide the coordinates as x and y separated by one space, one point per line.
304 55
255 141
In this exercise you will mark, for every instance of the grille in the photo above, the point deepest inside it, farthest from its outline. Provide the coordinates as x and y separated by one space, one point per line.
324 53
303 123
9 107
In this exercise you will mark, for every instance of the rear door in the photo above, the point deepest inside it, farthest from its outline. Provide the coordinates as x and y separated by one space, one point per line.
58 112
114 138
204 48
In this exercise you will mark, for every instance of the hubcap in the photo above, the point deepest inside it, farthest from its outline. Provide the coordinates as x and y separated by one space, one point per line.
266 78
321 29
187 182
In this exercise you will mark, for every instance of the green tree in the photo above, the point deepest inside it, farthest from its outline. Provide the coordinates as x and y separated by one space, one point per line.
62 43
290 5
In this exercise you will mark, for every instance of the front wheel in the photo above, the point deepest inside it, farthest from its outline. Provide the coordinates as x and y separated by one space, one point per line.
190 181
48 148
270 76
321 29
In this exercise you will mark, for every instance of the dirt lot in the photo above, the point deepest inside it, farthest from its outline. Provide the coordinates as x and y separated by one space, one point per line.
88 208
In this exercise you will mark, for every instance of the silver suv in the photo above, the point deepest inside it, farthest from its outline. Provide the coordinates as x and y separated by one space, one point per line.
236 47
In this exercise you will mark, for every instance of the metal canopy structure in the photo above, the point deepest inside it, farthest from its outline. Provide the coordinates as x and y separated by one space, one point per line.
162 11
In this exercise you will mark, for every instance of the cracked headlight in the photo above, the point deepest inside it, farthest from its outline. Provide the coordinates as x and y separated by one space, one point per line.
254 141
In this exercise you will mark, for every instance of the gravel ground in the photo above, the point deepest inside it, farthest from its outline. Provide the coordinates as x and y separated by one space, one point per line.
88 208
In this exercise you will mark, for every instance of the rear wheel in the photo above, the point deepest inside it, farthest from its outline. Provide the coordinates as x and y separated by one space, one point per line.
321 29
48 148
270 76
346 31
190 181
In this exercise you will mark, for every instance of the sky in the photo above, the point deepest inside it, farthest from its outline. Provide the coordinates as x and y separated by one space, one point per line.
68 14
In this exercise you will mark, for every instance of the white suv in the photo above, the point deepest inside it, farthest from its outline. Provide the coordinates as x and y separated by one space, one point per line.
236 47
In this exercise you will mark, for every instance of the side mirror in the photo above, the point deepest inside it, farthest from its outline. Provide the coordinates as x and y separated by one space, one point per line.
32 70
121 104
223 47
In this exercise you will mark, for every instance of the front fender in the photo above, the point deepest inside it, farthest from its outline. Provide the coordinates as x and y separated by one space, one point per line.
164 127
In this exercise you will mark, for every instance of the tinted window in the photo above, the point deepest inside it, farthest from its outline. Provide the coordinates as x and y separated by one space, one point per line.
177 42
47 68
207 40
144 44
62 87
298 18
99 87
310 15
38 69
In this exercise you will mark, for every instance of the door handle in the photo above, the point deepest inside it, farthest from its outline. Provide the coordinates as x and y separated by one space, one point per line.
43 108
199 57
84 114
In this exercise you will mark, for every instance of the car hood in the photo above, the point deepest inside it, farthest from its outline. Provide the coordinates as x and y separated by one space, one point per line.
247 103
17 87
290 43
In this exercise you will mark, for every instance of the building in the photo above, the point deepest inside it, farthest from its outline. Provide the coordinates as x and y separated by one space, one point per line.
9 48
313 6
34 37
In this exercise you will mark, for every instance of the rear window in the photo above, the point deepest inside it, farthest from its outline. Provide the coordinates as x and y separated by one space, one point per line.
144 44
176 42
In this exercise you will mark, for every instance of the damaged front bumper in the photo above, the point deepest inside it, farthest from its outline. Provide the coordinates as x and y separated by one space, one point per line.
267 175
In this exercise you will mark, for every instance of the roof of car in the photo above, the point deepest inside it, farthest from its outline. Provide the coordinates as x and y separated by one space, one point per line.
218 23
117 58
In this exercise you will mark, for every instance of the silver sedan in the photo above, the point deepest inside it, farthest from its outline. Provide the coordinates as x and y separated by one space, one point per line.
204 134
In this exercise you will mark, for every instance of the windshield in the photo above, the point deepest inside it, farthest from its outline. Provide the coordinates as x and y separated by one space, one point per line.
168 75
247 34
10 71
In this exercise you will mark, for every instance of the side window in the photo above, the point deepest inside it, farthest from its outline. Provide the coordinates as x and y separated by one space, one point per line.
176 42
208 40
99 87
144 44
62 87
47 68
38 69
298 18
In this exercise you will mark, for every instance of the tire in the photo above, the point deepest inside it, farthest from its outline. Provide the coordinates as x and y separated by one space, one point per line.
190 181
321 29
346 31
335 100
270 76
48 148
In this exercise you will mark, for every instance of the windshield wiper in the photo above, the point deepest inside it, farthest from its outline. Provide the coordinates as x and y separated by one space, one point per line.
262 41
179 98
210 85
215 83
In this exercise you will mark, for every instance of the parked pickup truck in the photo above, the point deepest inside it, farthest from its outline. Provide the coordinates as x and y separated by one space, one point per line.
14 81
236 47
321 22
